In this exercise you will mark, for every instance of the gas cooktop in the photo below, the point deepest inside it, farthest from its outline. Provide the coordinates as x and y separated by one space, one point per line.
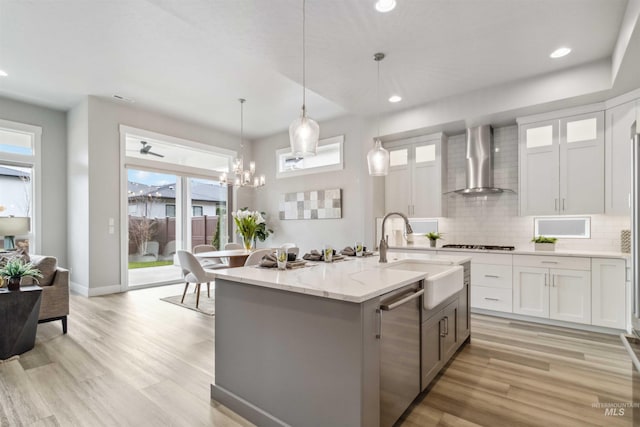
481 247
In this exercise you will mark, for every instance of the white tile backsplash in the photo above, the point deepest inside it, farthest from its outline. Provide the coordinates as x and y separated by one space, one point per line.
493 219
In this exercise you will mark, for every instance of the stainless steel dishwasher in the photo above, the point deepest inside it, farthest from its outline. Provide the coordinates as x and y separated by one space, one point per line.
399 316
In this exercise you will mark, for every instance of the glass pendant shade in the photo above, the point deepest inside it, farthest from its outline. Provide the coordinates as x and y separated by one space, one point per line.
303 135
378 160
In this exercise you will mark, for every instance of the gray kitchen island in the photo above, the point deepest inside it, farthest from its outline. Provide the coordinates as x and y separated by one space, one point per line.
349 343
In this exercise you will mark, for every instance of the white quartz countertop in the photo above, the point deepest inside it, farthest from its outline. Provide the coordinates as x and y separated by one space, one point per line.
353 280
524 250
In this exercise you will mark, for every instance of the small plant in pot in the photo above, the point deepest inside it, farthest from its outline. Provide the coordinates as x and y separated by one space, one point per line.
15 269
543 243
432 238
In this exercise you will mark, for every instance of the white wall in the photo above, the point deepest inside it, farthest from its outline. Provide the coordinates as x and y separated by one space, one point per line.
101 180
54 178
353 180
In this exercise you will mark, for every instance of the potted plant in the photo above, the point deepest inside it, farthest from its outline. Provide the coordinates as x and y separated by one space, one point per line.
543 243
432 238
15 269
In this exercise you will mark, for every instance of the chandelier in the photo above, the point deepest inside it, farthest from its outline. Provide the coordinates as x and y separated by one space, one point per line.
242 177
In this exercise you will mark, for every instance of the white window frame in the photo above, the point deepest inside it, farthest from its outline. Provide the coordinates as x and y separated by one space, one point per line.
32 161
183 215
284 152
587 220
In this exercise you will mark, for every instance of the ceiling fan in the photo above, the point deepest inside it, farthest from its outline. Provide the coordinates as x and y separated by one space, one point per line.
146 149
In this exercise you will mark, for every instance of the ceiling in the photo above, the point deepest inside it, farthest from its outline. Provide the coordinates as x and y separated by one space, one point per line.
193 59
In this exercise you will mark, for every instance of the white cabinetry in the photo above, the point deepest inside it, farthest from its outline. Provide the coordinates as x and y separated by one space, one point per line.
417 176
561 165
491 277
608 292
618 158
560 293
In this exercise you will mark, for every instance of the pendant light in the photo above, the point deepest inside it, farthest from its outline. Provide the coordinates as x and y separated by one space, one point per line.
378 157
304 131
242 177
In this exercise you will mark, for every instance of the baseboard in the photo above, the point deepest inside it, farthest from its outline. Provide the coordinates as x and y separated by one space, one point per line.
549 322
85 291
243 408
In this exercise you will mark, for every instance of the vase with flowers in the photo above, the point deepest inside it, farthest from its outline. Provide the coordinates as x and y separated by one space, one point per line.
248 222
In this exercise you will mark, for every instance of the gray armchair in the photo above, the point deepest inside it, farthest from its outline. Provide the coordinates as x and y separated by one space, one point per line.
55 290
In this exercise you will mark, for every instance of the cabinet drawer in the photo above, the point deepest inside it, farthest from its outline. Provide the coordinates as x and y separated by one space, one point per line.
550 261
497 299
491 276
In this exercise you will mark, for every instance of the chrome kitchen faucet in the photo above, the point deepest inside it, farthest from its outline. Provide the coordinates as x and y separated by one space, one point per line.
384 241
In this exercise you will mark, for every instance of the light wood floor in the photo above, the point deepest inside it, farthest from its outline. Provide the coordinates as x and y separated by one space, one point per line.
133 360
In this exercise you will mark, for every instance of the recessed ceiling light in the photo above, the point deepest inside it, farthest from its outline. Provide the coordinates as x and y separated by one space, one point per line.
3 73
395 98
559 53
385 5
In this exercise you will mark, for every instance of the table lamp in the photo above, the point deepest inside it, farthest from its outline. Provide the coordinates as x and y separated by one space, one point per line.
11 226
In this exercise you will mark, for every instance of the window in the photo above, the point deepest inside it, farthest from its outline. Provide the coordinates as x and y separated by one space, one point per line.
19 177
329 157
196 210
564 227
170 211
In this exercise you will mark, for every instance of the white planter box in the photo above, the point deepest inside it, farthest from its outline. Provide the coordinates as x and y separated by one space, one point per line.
545 246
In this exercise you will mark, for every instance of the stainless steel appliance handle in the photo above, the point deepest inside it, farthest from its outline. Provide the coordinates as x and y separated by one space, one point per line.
493 276
548 262
379 323
414 295
492 299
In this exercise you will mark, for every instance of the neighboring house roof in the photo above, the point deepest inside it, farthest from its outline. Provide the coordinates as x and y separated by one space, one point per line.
4 171
200 191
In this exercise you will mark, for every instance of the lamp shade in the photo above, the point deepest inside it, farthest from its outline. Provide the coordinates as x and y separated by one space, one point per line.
303 135
14 225
378 160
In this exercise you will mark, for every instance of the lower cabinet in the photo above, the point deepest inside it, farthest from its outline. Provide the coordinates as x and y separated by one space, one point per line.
439 341
608 293
558 294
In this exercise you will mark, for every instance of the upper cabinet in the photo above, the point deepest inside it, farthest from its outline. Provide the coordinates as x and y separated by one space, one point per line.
562 165
417 176
618 158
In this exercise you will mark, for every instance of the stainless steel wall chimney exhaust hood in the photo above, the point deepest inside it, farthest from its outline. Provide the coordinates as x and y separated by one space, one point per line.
479 163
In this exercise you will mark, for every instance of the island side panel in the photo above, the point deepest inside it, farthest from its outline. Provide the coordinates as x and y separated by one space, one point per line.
289 358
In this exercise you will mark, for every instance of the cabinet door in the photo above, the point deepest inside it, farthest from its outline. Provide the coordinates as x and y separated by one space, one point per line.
570 295
432 330
608 293
539 168
582 164
398 182
427 191
450 339
531 291
618 158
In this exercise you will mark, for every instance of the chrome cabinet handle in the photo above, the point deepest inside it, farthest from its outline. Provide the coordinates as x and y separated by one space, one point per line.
379 323
446 325
546 279
492 299
553 280
492 276
442 334
548 262
555 204
414 295
563 208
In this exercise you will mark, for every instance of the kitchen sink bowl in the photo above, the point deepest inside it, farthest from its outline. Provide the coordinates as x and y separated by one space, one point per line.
442 280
